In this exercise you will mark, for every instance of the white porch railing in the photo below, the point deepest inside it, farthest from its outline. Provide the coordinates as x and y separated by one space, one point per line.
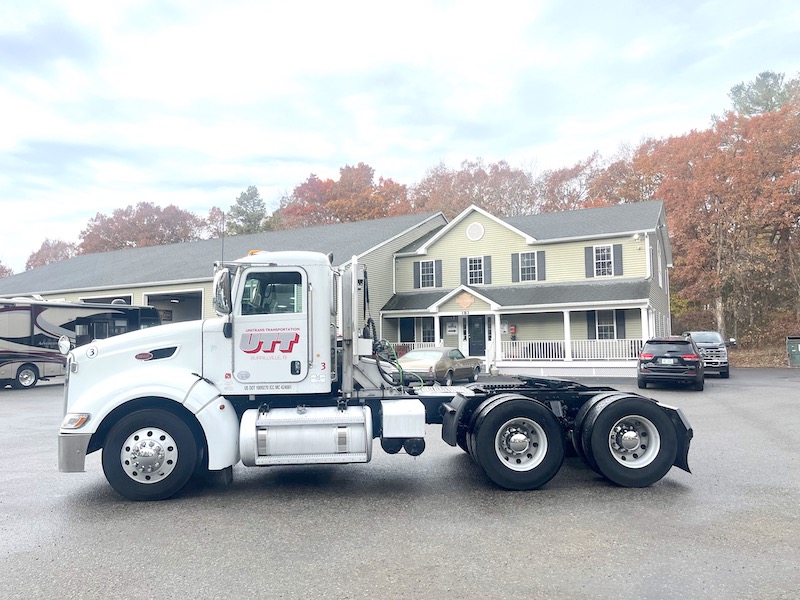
532 350
605 349
403 347
581 350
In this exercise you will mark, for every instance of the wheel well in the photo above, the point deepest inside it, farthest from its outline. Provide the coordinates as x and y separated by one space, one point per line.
99 437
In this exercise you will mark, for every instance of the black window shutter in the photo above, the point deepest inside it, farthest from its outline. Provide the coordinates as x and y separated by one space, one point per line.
463 271
437 273
540 270
416 275
619 316
515 267
591 324
487 269
617 259
588 253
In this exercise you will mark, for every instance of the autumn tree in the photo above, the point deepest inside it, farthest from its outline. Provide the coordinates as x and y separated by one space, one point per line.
247 214
497 187
215 223
568 188
49 252
355 196
5 271
142 225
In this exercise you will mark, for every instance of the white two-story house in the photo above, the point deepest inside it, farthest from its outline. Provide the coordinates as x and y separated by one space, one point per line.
569 293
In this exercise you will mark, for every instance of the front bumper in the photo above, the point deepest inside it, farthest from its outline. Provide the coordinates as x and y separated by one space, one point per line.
72 451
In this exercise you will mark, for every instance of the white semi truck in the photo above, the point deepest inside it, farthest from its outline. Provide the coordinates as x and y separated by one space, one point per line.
287 375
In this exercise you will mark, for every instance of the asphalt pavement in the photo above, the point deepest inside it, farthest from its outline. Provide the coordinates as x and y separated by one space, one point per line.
425 527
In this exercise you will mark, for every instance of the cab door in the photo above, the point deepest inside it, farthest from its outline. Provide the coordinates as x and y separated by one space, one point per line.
271 328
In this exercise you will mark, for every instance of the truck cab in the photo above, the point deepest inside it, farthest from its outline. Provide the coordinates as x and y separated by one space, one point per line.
276 327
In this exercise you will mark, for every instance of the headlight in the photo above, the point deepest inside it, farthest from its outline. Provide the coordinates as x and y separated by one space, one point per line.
74 420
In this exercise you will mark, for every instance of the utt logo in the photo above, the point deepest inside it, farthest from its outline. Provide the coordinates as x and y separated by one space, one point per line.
278 341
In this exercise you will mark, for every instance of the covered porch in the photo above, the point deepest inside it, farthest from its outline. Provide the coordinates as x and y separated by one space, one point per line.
599 339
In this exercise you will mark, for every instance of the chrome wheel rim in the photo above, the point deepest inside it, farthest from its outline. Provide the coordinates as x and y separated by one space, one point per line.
634 441
521 444
149 455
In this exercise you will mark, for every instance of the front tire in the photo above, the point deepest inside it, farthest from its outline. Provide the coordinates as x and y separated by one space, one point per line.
519 444
27 376
630 441
149 455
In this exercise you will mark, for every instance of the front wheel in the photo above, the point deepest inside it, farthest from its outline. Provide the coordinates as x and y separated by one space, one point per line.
630 441
27 376
519 444
149 455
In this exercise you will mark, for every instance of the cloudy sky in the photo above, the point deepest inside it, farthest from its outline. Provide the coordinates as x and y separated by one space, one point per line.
106 104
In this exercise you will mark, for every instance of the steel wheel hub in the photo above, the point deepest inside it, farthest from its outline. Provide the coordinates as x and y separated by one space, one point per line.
149 455
521 444
634 441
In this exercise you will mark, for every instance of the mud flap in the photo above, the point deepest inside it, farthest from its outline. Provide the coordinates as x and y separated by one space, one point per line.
451 418
684 434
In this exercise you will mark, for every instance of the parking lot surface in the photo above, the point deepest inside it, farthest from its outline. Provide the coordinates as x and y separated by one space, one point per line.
425 527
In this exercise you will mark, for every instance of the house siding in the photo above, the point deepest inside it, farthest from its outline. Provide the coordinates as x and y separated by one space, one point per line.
564 261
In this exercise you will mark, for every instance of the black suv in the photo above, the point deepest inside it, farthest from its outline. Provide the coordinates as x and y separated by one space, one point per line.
670 359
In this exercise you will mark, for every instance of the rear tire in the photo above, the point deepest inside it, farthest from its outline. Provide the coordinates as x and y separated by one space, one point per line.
475 374
27 376
518 444
631 441
149 455
448 379
699 385
642 383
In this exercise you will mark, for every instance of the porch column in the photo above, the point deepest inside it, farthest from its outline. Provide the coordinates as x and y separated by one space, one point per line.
567 337
645 316
437 330
498 338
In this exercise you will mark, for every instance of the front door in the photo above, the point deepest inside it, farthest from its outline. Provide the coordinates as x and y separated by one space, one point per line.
270 330
477 335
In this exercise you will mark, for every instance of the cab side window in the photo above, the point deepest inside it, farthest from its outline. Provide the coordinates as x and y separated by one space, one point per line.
273 292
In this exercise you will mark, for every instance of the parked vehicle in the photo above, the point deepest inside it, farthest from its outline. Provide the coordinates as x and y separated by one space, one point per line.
277 389
438 365
713 351
30 330
675 359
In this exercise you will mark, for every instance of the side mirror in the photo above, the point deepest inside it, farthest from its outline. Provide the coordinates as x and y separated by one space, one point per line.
222 292
731 342
64 345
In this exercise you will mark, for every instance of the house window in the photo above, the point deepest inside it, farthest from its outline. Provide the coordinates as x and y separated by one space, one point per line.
426 276
606 329
428 331
660 269
603 261
527 266
475 270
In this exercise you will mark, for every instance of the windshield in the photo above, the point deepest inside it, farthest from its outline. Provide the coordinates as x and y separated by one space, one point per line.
422 355
706 337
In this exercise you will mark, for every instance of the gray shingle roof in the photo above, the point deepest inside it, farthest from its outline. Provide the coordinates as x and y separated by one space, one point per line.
606 220
193 260
540 294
